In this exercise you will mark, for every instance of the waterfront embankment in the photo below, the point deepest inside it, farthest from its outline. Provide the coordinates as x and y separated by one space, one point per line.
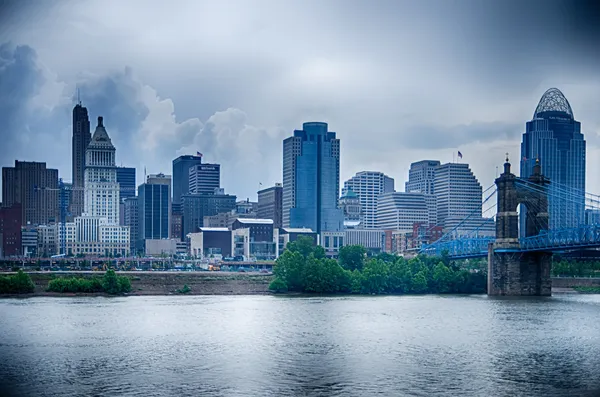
221 283
169 283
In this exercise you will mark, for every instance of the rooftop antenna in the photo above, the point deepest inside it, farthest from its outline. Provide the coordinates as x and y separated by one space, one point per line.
78 97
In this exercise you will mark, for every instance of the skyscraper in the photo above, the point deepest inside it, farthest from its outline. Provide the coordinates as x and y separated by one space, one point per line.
204 178
181 176
80 141
131 219
270 202
421 177
399 211
311 179
154 222
368 185
33 186
126 179
458 193
101 186
554 136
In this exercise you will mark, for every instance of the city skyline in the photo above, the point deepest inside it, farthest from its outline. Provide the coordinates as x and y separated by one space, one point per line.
156 116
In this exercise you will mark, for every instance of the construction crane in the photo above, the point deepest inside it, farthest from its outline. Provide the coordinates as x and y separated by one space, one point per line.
64 201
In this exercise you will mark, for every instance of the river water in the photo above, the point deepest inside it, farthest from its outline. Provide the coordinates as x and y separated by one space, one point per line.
299 346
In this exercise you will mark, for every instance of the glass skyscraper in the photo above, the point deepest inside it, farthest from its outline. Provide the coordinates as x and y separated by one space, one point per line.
554 136
311 179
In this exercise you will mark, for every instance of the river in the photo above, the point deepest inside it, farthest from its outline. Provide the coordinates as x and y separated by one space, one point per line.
300 346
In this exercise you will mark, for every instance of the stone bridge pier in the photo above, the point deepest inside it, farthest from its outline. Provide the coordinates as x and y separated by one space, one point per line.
510 270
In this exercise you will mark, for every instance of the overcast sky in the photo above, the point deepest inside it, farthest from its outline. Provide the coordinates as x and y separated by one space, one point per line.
399 81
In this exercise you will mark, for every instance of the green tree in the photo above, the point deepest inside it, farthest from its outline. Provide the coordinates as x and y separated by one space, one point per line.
304 245
110 283
125 284
375 277
400 276
19 283
357 280
278 285
352 257
419 283
443 278
289 268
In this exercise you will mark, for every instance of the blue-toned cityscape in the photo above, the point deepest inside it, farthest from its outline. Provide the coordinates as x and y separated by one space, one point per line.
189 215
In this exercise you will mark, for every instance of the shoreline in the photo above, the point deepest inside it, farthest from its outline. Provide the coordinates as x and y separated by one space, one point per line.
38 294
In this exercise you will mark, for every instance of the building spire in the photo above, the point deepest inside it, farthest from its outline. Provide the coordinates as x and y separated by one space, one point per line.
100 119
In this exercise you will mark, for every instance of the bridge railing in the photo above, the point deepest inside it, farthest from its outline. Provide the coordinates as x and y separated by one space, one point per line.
580 237
459 248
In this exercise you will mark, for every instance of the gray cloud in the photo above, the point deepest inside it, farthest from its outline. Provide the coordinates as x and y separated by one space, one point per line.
397 81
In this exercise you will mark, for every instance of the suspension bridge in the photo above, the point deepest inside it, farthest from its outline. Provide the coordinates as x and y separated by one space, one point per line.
520 252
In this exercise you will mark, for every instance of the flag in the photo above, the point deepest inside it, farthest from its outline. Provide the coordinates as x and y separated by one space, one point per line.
459 155
198 154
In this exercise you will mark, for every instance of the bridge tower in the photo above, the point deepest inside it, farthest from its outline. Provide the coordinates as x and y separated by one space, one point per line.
510 270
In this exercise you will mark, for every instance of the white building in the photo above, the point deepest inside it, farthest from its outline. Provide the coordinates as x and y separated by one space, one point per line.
97 230
371 239
458 193
399 211
368 185
421 177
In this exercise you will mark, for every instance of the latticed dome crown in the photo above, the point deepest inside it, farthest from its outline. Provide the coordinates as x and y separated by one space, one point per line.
553 100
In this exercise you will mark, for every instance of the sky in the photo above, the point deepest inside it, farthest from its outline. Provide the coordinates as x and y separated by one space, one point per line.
398 81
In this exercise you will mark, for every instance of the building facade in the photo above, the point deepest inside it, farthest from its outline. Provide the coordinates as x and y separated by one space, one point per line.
10 231
204 178
153 211
35 188
398 211
97 231
197 206
126 180
80 140
368 185
458 193
554 137
352 209
421 177
311 179
131 220
181 176
270 204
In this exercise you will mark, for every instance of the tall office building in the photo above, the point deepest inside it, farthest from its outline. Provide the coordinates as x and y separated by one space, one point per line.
399 211
196 206
97 230
79 143
270 204
10 231
458 193
421 177
181 176
131 220
101 187
554 137
311 179
126 180
154 199
33 186
204 178
368 185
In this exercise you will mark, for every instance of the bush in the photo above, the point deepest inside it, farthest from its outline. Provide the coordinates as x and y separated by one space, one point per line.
278 285
110 283
19 283
184 290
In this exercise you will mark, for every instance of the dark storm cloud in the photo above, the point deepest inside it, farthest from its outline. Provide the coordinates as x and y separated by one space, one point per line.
20 80
115 97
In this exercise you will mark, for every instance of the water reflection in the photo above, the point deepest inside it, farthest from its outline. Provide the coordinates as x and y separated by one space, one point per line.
249 346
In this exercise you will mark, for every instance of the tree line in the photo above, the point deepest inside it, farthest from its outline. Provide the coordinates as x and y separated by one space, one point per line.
304 267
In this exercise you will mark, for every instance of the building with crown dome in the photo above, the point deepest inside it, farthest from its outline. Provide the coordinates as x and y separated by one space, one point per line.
554 137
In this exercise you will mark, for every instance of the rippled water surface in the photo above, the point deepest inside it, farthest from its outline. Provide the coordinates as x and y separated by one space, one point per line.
281 346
